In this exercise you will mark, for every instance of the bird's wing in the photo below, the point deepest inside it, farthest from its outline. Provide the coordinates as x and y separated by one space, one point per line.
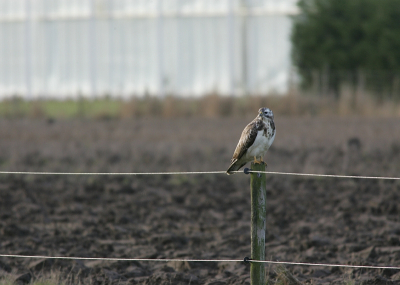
247 139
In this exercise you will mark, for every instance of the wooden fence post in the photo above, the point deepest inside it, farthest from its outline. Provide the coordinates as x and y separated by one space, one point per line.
258 182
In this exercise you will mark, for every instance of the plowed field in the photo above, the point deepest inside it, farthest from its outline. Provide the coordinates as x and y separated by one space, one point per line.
323 220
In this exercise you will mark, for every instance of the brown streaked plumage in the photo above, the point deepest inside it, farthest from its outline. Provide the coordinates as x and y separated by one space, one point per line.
255 140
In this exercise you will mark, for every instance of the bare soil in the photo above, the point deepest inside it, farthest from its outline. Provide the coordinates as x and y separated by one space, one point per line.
323 220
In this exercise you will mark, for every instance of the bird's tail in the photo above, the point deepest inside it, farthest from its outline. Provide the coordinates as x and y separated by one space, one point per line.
233 167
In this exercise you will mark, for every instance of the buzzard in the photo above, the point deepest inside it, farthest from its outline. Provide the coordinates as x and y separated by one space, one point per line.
255 141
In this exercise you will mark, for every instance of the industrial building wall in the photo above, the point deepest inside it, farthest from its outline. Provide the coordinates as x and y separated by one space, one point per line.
69 48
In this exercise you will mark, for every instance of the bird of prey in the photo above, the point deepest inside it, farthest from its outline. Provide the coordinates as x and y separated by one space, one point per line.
255 140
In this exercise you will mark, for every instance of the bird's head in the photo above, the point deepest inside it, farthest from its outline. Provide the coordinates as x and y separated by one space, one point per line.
266 113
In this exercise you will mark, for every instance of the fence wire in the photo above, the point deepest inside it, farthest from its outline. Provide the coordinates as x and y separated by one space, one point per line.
200 260
328 175
246 171
113 173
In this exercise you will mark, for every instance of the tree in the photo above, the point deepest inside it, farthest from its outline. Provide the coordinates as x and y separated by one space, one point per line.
347 37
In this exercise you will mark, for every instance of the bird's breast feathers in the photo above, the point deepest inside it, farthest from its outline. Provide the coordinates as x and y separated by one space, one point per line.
264 139
262 143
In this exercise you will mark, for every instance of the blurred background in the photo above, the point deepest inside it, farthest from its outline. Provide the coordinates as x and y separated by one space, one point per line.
303 57
124 48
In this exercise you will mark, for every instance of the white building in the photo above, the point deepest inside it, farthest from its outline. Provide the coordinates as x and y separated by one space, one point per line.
59 48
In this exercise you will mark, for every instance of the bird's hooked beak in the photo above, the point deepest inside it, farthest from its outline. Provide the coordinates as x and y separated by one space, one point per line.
262 115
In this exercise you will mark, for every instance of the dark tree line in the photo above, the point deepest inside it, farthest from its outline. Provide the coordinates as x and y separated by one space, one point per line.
348 39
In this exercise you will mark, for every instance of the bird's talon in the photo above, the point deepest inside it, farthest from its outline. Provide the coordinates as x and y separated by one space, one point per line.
263 162
257 161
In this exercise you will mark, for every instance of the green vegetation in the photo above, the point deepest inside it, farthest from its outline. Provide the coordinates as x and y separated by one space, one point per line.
169 107
351 42
211 106
103 107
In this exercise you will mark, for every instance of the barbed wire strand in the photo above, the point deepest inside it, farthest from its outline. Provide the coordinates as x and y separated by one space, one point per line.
199 260
199 172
